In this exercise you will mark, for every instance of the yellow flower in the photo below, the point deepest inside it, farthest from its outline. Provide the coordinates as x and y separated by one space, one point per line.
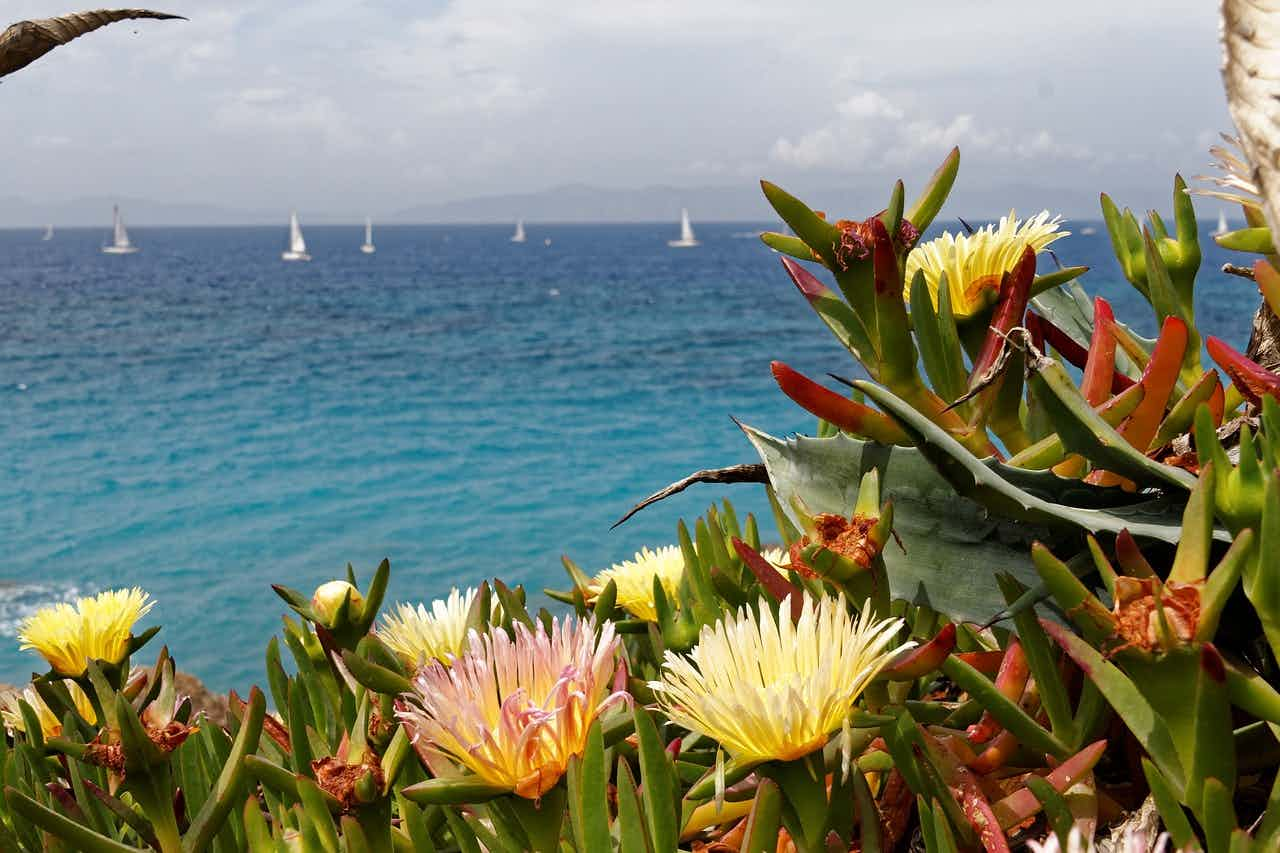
97 627
634 578
973 263
770 689
419 636
50 725
514 712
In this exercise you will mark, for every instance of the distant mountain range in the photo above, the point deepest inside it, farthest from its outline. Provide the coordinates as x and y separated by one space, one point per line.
584 203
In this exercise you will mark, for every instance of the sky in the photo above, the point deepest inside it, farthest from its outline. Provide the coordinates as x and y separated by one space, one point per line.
386 104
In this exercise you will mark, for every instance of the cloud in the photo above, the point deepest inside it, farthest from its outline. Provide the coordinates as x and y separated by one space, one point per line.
280 111
869 131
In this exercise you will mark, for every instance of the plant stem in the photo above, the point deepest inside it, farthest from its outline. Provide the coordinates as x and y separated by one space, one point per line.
542 819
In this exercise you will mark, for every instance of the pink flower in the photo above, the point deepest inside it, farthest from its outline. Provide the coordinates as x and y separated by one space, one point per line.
514 711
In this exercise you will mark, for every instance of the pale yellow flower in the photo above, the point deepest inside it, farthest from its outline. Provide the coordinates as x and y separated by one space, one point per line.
634 578
97 627
514 712
974 263
419 635
767 688
777 557
50 725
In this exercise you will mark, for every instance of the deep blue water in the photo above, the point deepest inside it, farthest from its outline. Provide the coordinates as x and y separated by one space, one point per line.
202 420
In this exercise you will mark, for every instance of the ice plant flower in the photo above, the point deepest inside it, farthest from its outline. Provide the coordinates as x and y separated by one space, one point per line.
770 689
513 712
634 579
973 263
97 627
418 635
50 725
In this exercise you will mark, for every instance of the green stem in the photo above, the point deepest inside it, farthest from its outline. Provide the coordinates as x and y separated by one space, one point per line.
154 794
804 791
542 819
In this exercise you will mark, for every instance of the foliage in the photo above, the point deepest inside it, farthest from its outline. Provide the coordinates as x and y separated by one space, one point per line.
1021 583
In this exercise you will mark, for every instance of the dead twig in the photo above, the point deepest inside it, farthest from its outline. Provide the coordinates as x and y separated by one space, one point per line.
733 474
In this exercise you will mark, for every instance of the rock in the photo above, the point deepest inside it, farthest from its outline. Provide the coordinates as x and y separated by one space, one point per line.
214 705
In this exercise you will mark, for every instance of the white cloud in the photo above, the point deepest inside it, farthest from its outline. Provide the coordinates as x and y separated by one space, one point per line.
302 117
870 131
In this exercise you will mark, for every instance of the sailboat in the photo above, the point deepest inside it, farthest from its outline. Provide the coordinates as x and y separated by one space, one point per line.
687 239
120 244
518 237
368 248
297 250
1222 224
48 233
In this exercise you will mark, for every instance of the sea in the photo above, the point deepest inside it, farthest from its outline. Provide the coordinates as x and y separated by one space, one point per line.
202 420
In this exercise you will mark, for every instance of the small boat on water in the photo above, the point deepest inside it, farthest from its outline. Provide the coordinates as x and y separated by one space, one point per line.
367 247
1222 224
297 250
120 244
48 233
687 240
1088 230
519 237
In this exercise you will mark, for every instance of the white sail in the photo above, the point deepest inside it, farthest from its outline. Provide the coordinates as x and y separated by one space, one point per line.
687 239
1222 223
368 248
518 237
48 233
297 250
120 244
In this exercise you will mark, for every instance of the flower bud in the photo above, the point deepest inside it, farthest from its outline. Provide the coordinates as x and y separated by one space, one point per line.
327 601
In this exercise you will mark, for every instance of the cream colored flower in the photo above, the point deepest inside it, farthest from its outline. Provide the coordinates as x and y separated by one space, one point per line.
634 579
418 635
767 688
50 725
974 263
97 627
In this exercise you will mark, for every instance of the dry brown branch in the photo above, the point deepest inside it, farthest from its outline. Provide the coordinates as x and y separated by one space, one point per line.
26 41
732 474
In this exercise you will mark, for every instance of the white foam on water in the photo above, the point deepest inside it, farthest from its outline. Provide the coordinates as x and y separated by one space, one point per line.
20 600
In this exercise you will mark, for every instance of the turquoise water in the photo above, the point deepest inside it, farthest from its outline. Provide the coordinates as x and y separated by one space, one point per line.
203 420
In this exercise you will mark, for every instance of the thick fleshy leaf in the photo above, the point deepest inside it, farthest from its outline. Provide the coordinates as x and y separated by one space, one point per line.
819 234
1084 431
925 208
1007 711
1127 700
848 327
1022 804
1011 304
1251 379
849 415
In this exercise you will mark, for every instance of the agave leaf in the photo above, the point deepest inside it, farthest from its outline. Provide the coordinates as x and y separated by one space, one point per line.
986 483
944 537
